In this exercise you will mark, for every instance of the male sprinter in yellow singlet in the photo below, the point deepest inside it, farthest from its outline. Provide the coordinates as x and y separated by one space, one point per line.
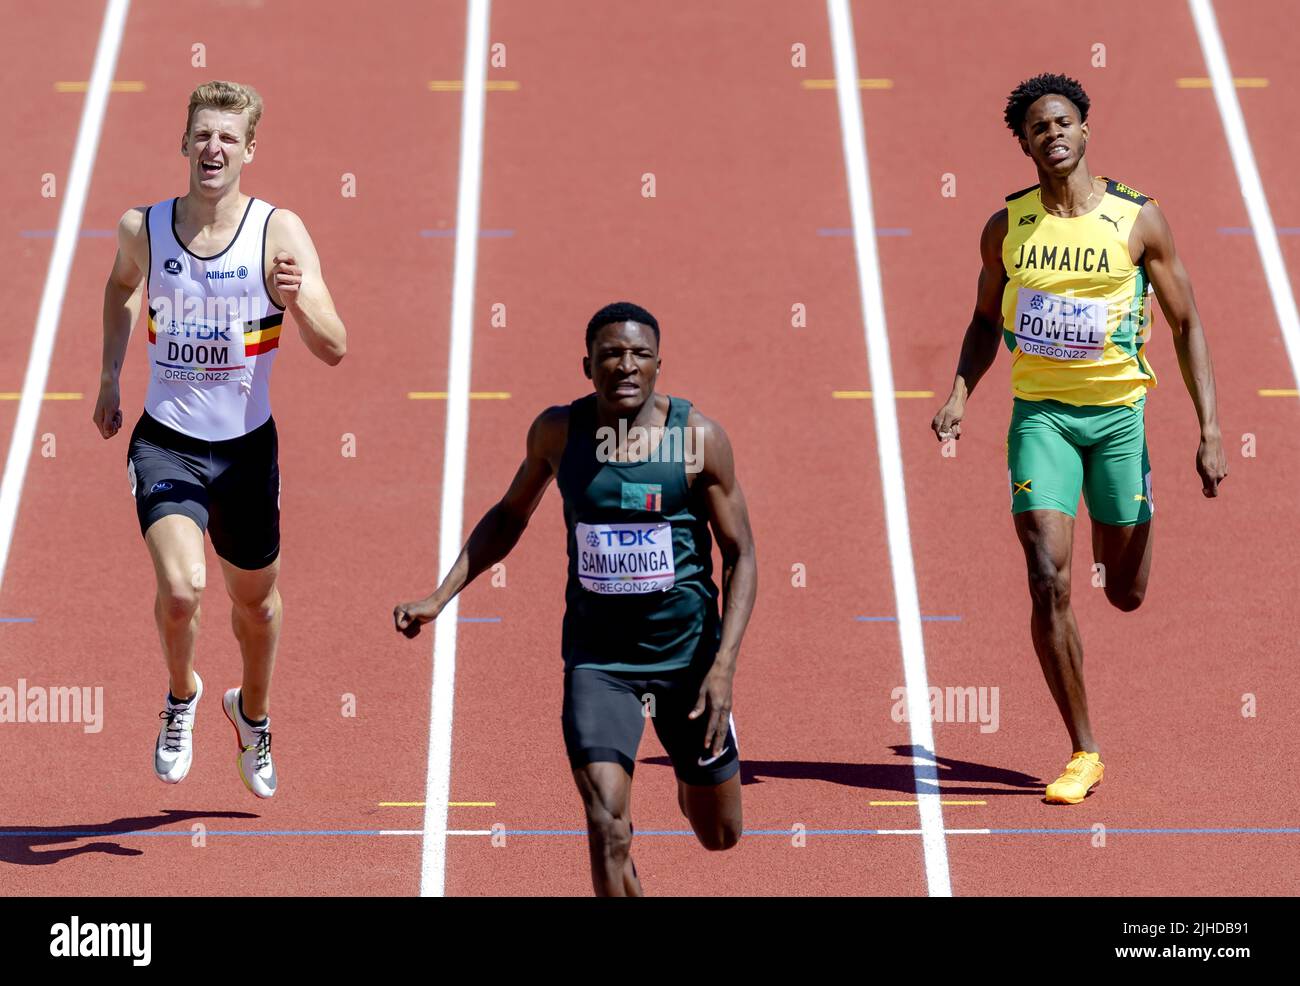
219 269
1064 280
644 478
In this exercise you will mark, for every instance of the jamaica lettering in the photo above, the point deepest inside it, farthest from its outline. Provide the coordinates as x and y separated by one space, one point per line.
1041 256
625 559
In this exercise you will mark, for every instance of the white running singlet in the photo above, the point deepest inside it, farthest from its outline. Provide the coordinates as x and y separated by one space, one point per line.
213 329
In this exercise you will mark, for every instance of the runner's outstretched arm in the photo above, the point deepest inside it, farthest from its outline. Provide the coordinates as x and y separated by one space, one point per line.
1174 292
729 518
122 297
496 534
980 346
297 280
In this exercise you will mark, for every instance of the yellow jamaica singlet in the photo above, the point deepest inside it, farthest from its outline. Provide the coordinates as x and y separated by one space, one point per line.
1075 307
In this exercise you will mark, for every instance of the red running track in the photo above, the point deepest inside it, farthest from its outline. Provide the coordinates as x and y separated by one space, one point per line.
748 170
1166 682
78 566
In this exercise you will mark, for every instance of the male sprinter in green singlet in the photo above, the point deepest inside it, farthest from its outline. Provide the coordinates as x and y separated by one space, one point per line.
1064 279
643 477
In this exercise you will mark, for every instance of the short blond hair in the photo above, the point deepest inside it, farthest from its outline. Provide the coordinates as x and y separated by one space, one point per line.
220 95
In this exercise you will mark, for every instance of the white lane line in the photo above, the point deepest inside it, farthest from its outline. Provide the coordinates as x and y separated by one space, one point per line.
924 770
57 275
1252 187
437 785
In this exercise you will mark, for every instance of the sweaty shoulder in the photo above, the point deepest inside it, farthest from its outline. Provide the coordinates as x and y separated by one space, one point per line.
712 440
1151 235
283 230
996 226
132 221
995 232
548 433
133 235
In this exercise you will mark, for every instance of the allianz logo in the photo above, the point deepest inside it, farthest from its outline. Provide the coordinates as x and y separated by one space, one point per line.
240 272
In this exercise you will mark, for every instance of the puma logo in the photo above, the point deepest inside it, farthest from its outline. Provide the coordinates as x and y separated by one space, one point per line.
1113 222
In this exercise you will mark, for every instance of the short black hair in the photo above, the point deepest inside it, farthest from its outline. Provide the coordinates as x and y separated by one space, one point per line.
620 311
1030 91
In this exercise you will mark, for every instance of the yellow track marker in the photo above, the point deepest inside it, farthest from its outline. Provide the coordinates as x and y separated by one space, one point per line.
1202 83
456 85
862 83
10 395
113 86
474 395
865 395
450 804
1279 393
897 804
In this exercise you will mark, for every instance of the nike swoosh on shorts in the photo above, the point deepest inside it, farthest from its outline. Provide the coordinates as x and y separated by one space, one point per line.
704 763
731 738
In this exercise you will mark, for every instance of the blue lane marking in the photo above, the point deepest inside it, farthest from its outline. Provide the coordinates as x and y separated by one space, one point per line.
85 234
894 619
848 231
189 833
478 619
446 234
1246 230
17 619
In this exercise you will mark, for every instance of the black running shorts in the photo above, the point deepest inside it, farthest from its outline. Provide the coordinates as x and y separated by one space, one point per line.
605 713
231 488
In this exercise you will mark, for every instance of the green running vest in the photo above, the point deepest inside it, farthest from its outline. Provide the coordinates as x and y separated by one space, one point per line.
640 595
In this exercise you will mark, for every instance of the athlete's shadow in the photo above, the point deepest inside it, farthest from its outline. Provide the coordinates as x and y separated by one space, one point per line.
955 776
18 842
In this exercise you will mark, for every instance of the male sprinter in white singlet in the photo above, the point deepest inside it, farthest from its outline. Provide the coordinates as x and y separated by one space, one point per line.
220 270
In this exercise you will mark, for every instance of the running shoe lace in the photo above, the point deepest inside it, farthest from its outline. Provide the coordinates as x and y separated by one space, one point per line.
176 723
264 750
1078 769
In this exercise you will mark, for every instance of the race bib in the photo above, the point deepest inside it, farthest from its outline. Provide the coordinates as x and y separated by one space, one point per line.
1058 327
197 352
625 559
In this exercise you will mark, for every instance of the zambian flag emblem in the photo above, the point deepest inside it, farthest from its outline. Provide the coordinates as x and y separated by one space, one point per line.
643 496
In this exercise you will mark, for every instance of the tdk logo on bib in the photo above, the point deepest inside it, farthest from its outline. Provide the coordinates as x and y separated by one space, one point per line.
614 538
